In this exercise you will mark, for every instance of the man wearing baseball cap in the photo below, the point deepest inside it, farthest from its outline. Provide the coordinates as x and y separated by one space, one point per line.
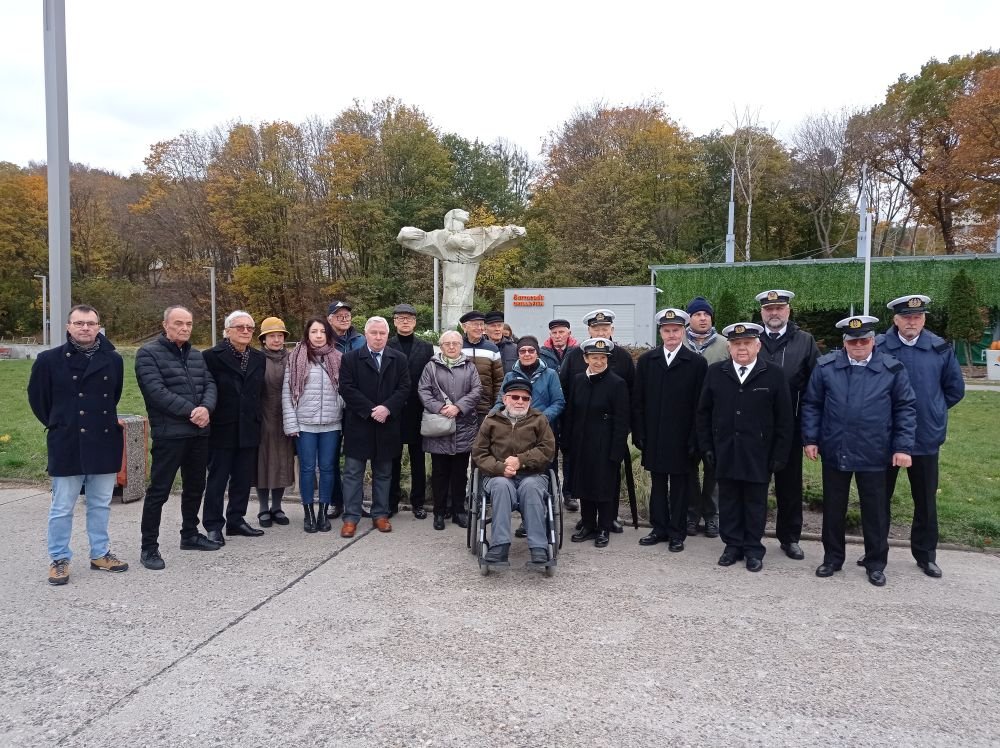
795 351
937 382
859 413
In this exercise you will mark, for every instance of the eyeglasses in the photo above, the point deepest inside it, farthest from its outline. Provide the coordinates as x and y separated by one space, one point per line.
527 350
520 398
242 328
78 323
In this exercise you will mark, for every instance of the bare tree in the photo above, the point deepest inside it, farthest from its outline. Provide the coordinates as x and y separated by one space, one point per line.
747 150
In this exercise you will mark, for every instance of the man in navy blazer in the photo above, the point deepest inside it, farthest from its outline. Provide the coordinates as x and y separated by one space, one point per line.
74 391
375 383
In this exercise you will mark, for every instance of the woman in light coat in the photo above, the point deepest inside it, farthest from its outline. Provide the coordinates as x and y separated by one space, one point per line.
313 410
450 385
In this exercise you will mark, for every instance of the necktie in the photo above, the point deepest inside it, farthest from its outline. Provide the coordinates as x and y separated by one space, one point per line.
378 361
743 372
774 335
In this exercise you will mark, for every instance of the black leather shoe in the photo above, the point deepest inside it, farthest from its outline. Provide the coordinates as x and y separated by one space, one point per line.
676 546
826 570
930 568
335 511
792 550
651 539
264 519
539 555
571 504
419 512
461 519
754 564
583 533
497 554
579 524
216 537
521 531
309 518
692 529
280 518
728 559
323 520
152 559
602 539
244 529
198 543
616 527
876 577
861 559
712 528
438 521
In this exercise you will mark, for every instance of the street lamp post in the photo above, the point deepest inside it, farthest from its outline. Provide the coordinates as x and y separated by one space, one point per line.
45 309
211 276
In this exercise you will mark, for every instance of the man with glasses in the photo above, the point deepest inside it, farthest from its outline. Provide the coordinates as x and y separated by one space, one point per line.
74 391
238 371
513 450
418 353
180 395
859 412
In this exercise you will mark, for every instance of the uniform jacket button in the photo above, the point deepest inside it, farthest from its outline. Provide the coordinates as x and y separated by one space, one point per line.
74 377
82 413
83 431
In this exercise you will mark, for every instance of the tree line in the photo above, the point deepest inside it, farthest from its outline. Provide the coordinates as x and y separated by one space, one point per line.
292 215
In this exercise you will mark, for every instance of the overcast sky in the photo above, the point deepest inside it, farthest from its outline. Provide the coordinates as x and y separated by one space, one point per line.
142 71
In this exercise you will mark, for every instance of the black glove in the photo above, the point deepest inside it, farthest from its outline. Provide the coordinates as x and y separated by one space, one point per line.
709 458
639 444
777 467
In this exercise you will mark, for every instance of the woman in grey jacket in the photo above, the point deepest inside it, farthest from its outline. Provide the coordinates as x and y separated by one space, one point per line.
312 410
451 385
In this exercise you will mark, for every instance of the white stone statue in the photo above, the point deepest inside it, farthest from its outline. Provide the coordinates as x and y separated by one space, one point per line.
460 250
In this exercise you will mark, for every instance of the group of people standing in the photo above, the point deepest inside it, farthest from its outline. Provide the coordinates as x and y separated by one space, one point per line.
714 415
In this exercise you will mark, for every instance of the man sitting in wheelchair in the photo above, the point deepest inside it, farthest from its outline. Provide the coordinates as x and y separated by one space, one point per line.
513 450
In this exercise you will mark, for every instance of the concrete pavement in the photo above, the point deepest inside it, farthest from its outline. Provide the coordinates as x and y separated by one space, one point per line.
396 640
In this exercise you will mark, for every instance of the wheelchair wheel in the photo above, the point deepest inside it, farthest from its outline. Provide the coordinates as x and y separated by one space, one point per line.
472 506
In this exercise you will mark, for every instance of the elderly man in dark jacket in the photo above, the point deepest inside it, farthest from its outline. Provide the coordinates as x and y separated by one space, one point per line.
375 383
784 344
238 371
74 391
668 382
938 385
744 432
859 413
180 395
418 353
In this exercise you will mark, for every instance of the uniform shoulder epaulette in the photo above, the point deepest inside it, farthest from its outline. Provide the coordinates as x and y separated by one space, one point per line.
826 359
892 363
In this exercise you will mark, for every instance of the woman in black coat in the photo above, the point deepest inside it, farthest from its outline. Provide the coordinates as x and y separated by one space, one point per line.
595 426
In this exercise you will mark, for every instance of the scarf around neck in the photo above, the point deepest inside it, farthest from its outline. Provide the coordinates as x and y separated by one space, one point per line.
701 342
299 359
88 352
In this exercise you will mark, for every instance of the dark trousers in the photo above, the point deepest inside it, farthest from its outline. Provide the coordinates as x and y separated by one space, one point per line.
874 517
742 516
703 496
237 468
668 502
788 494
449 474
418 477
598 514
923 475
167 456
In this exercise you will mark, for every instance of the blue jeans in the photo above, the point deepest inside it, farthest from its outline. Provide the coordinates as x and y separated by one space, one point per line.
317 449
65 490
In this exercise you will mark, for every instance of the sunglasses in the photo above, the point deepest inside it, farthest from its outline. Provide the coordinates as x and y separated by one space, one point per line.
526 350
519 398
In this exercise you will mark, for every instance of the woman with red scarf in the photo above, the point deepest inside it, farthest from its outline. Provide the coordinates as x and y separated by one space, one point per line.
313 410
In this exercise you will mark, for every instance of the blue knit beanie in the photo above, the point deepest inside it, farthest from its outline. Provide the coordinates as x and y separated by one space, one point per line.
700 304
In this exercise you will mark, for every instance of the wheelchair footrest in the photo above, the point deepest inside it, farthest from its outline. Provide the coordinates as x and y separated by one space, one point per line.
495 565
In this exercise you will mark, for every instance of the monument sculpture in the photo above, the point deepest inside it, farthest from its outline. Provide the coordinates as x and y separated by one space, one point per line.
460 251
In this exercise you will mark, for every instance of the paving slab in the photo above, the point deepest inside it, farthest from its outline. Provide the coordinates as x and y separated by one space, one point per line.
396 640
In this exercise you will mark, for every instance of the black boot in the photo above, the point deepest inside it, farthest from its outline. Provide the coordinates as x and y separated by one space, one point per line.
322 519
309 519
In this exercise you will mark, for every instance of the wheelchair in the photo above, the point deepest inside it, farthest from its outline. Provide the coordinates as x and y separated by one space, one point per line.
477 503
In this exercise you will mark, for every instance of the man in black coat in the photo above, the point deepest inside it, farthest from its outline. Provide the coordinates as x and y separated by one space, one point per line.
180 395
375 384
600 324
238 371
785 345
418 353
74 391
668 382
745 428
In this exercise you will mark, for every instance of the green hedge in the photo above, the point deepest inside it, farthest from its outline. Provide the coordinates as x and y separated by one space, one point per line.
828 286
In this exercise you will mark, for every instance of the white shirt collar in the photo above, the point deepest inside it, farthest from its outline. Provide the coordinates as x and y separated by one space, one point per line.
671 355
749 368
910 343
863 362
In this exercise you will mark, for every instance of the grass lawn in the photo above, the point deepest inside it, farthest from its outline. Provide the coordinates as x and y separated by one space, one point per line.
968 497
